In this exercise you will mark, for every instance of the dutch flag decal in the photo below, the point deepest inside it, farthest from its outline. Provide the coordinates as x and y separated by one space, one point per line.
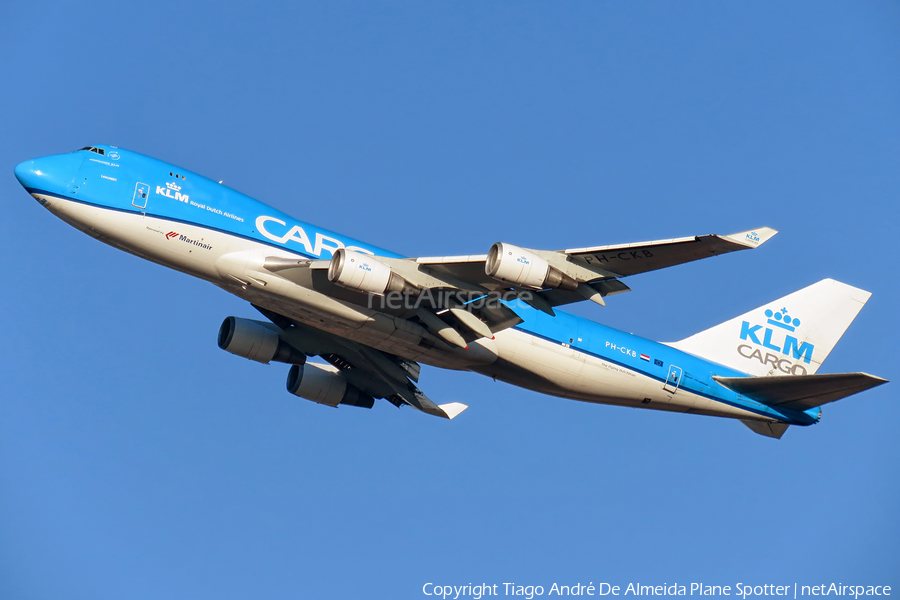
645 357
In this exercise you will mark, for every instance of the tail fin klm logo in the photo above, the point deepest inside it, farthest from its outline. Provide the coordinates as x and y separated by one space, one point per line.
782 319
774 338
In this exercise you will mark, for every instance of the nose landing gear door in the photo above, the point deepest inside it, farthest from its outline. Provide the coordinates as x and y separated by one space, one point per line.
141 191
673 380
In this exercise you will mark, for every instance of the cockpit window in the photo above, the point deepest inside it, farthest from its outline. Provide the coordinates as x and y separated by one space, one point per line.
99 151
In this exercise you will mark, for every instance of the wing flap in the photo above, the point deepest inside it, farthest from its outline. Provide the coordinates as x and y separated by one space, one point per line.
801 392
464 268
606 287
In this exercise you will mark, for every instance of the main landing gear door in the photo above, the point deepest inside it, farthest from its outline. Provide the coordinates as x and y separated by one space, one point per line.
673 380
141 191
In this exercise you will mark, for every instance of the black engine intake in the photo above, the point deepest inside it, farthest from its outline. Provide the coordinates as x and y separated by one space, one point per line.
321 384
257 340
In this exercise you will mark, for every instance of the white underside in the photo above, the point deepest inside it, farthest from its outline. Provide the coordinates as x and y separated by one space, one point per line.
236 265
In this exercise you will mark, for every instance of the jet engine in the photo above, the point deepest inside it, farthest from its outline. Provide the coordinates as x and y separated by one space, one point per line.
323 384
257 340
523 267
363 273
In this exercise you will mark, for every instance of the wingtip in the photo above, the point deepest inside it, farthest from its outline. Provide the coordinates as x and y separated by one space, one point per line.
752 238
875 379
453 409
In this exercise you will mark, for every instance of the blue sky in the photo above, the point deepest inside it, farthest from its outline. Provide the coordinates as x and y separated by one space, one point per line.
137 460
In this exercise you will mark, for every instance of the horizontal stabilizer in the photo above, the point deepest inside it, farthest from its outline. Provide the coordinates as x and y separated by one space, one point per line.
801 392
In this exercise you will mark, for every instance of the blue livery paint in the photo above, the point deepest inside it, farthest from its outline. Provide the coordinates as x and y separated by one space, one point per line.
179 196
624 349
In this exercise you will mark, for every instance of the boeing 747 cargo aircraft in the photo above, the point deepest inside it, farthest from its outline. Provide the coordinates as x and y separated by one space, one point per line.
371 316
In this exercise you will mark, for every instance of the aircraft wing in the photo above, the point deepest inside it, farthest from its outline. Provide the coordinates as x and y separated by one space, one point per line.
453 293
631 259
801 392
595 270
376 373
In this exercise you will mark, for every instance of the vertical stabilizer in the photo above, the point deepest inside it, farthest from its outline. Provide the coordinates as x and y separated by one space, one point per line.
789 336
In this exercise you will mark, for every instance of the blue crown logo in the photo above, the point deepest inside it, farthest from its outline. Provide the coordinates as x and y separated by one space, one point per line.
782 319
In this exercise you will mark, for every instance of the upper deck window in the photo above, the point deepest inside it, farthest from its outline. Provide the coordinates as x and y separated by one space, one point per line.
99 151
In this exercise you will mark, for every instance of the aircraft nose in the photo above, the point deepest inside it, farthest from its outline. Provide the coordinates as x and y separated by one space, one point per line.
25 173
49 173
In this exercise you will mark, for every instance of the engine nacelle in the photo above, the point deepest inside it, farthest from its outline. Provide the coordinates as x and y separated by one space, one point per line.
256 340
523 267
323 384
363 273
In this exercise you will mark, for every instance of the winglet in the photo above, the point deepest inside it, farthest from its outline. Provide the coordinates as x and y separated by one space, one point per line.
452 409
752 238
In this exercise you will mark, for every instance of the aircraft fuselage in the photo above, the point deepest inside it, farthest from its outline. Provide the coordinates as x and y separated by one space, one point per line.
192 224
